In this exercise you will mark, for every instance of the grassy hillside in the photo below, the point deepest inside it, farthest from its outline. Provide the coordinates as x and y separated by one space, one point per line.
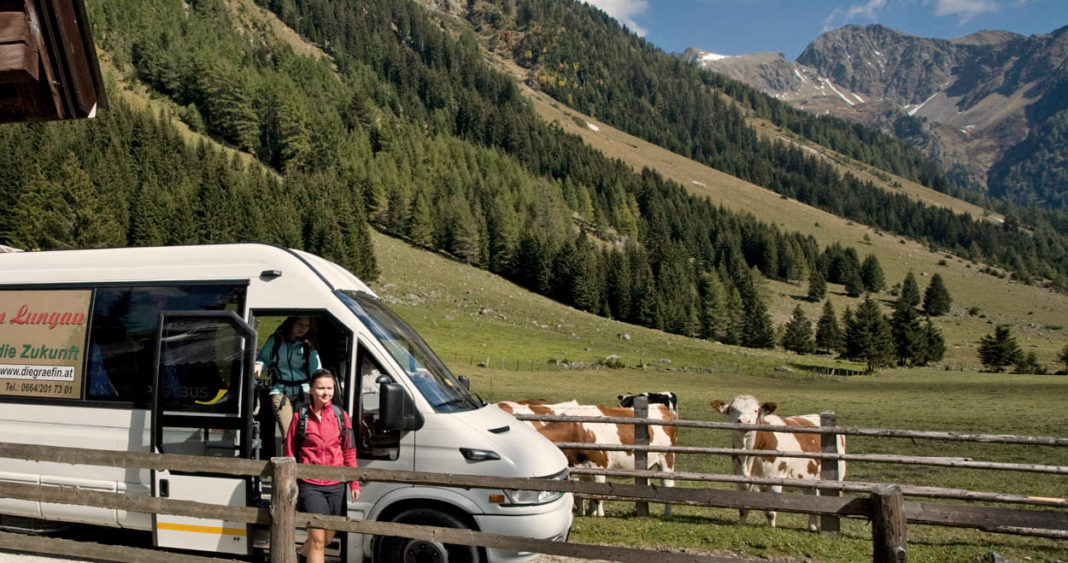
1036 315
472 317
1039 317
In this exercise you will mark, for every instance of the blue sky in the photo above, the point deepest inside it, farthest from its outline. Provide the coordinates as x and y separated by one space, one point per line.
733 27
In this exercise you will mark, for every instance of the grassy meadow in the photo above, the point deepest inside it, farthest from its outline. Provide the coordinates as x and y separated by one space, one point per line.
471 317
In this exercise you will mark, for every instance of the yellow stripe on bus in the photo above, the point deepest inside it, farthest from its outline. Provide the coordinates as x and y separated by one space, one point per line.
217 530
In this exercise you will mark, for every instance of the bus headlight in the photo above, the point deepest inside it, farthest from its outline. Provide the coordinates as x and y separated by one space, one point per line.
536 497
531 497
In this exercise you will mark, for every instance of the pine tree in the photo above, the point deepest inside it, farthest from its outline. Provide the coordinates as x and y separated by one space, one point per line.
871 273
797 335
934 346
43 219
828 332
936 299
868 336
910 291
713 316
817 286
854 285
95 211
999 349
736 322
909 341
420 223
847 321
758 330
1029 364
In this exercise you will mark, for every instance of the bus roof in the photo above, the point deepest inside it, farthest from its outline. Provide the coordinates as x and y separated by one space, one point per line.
173 263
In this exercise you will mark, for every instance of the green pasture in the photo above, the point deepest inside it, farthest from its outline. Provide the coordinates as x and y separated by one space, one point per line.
521 340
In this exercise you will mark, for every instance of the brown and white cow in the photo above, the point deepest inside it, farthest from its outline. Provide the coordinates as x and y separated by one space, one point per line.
745 409
601 433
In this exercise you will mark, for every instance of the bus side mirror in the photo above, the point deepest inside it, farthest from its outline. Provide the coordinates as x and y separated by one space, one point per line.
466 382
396 409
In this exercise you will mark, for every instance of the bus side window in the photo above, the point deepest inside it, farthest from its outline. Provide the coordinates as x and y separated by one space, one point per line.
371 444
369 373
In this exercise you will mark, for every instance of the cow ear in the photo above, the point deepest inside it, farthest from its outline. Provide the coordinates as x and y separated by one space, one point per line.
768 408
718 405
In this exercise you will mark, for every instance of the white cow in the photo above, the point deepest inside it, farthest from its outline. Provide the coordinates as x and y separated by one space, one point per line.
745 409
601 433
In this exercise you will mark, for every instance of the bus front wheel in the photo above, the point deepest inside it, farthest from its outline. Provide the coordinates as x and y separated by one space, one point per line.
407 550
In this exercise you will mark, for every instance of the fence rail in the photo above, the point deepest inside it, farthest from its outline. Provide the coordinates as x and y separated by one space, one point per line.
962 463
826 485
847 430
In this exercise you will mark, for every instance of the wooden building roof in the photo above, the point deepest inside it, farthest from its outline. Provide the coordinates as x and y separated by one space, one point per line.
48 64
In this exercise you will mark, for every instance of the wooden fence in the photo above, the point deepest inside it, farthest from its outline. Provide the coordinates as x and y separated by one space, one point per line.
281 518
984 518
883 505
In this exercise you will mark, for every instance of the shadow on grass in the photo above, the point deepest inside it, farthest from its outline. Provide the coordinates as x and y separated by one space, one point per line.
825 370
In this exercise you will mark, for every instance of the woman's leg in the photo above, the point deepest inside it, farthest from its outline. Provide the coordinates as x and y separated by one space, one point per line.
315 546
283 413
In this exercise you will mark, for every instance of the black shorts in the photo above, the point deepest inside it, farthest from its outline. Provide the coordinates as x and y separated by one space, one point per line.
328 500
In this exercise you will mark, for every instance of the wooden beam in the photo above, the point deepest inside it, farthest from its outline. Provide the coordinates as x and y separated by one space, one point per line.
889 536
511 543
847 430
23 544
283 509
829 525
148 505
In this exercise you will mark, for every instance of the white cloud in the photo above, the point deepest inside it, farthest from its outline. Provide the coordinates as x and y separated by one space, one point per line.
623 11
966 9
840 17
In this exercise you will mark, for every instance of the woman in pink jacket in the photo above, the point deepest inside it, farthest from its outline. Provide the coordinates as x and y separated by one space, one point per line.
326 439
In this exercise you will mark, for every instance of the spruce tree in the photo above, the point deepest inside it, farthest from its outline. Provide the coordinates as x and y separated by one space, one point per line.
854 285
1029 364
828 333
713 316
847 321
817 286
757 329
909 341
868 336
797 335
936 299
999 349
871 273
934 344
910 291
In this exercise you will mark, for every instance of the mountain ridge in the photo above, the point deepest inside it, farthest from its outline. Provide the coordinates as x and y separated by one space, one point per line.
971 103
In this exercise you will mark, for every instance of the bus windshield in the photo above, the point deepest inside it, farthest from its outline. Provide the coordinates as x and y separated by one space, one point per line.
429 374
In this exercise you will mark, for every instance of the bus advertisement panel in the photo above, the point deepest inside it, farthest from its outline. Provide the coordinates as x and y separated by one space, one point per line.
42 342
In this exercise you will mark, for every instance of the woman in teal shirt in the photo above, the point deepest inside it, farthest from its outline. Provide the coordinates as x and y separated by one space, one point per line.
290 357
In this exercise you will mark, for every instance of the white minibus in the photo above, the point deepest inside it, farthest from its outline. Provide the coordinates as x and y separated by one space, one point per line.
152 349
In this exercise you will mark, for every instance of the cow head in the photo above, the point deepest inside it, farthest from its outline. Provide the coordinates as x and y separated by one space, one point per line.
743 409
666 398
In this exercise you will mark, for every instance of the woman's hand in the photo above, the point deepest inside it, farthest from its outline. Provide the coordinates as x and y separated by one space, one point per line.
355 494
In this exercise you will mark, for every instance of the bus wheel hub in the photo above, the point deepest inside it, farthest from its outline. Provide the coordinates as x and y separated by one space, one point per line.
421 551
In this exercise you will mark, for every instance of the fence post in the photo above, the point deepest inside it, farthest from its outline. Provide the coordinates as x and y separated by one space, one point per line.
889 536
283 509
641 458
829 525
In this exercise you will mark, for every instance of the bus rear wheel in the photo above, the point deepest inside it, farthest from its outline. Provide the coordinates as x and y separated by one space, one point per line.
407 550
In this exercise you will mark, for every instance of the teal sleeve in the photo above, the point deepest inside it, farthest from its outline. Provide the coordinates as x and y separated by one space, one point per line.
313 361
265 353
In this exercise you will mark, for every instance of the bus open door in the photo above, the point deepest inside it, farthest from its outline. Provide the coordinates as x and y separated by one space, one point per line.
202 405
